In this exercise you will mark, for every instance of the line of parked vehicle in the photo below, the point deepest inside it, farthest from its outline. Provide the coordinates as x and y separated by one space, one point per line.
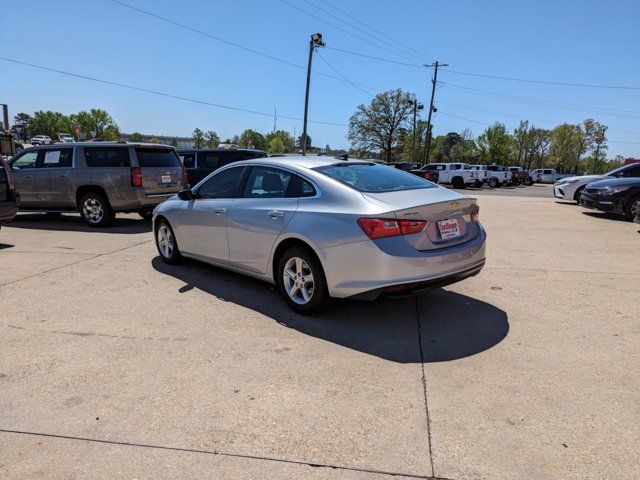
617 191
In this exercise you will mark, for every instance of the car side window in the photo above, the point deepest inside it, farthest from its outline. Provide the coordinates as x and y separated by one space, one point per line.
210 160
26 160
107 156
222 185
267 182
305 189
631 172
546 172
57 158
188 160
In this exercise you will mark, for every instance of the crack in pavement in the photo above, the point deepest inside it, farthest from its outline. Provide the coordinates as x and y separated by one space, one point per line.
93 334
424 388
73 263
222 454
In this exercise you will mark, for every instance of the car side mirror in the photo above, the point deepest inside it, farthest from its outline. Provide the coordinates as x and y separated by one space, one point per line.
186 194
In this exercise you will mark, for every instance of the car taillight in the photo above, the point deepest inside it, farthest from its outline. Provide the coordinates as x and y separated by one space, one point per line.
136 177
475 213
427 176
386 227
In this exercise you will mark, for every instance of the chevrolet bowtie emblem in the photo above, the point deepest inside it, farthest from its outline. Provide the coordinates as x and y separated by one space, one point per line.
453 204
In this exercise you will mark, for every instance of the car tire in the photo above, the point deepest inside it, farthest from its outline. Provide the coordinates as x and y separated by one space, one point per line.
457 182
529 182
96 210
576 196
302 282
146 214
632 208
493 182
166 242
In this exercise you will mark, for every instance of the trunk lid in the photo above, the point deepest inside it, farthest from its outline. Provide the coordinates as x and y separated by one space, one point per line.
447 213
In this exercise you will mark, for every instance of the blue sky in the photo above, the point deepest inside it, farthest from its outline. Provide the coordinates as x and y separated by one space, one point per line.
572 41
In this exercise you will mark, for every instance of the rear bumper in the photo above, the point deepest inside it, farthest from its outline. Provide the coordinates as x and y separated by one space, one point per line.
8 210
366 270
140 200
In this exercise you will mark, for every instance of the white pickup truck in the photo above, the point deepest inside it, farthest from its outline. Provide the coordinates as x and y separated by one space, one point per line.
458 175
493 175
547 175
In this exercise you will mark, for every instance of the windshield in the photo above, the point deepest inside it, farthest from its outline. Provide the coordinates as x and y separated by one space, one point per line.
616 170
371 177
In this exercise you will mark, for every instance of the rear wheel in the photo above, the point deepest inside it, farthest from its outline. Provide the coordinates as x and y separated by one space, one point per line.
146 214
529 182
301 281
457 182
96 211
166 242
493 182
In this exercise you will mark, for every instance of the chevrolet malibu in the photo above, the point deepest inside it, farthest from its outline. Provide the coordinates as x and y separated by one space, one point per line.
320 228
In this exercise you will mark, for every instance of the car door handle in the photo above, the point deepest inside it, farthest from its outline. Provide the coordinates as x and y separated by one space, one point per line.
220 210
276 214
27 176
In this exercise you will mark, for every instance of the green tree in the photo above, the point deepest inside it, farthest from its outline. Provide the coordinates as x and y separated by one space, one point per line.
567 144
309 142
212 139
276 146
98 121
380 126
22 119
198 138
154 140
135 137
540 146
287 139
495 144
174 143
49 123
252 139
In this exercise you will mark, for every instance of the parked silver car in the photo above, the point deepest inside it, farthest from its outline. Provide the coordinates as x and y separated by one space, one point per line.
96 179
320 228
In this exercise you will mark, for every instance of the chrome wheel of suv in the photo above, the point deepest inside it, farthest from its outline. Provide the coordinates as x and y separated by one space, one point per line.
298 280
92 210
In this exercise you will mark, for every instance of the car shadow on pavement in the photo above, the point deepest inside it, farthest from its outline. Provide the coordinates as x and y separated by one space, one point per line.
607 216
73 223
452 325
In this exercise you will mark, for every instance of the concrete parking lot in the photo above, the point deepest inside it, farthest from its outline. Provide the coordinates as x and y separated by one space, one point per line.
115 365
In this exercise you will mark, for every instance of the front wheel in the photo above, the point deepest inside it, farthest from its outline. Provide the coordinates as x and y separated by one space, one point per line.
301 281
633 210
493 182
96 211
576 196
166 242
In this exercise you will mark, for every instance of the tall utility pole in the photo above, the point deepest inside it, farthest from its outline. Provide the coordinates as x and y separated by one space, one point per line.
315 42
431 108
416 106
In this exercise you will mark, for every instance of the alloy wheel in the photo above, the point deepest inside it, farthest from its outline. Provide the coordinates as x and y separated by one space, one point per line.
92 210
165 241
298 280
635 208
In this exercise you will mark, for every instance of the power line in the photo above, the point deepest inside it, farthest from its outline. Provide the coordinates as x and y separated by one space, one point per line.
543 82
163 94
376 30
543 102
220 39
368 41
345 78
372 57
402 50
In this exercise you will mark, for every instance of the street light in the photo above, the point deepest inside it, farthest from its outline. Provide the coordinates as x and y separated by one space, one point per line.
315 42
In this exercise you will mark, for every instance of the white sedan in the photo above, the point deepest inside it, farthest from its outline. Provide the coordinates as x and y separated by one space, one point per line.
570 188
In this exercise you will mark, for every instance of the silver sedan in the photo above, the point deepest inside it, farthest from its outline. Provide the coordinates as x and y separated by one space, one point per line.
319 227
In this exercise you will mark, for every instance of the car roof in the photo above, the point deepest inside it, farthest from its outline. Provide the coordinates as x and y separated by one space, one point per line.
104 144
194 150
300 161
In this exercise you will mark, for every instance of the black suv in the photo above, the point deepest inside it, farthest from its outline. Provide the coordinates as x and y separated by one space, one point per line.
8 196
200 163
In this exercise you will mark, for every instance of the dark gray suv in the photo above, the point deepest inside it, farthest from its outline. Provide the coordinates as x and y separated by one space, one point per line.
96 179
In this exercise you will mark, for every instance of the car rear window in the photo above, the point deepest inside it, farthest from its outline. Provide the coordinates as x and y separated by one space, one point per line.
371 177
107 156
157 157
